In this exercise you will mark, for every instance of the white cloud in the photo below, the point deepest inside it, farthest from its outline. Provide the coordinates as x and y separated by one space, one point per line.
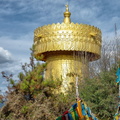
18 46
5 56
9 68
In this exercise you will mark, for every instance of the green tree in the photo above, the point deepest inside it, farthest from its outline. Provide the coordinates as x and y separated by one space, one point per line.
101 94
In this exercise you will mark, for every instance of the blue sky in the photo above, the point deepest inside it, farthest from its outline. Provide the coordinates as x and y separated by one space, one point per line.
19 19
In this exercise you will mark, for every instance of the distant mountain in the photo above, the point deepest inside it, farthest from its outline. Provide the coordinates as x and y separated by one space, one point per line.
1 105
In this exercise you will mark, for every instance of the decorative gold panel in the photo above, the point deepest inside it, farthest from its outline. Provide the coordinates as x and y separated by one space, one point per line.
68 37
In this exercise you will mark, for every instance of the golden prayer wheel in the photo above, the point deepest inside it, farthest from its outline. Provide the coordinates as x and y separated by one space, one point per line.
67 48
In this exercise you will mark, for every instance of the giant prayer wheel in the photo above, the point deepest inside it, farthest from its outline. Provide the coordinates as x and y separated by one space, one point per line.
67 48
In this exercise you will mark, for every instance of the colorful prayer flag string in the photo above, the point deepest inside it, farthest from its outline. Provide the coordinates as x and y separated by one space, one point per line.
78 111
118 76
117 115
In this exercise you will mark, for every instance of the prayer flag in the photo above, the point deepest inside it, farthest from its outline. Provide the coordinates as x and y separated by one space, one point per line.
118 76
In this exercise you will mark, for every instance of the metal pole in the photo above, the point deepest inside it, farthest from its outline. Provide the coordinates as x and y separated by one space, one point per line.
77 91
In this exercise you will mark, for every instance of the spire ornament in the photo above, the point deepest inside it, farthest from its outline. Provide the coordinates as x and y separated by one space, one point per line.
67 15
67 7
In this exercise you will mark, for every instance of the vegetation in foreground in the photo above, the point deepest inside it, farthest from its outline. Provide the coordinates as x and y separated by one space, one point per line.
32 98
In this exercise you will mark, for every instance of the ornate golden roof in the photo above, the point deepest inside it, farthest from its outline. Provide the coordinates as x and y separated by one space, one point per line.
67 36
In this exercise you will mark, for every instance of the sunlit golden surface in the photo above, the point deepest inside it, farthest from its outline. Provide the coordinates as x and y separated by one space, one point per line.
67 48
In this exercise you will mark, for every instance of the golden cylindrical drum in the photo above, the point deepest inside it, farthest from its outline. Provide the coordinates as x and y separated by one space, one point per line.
66 66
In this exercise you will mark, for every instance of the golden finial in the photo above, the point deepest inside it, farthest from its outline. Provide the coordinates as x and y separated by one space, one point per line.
67 7
67 15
